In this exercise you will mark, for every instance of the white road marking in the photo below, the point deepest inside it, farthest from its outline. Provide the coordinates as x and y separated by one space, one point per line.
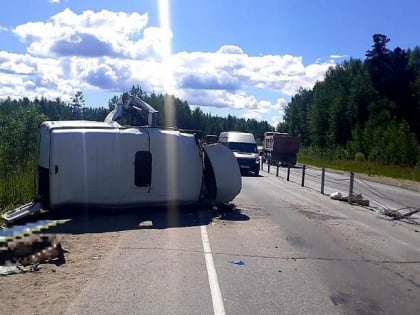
216 294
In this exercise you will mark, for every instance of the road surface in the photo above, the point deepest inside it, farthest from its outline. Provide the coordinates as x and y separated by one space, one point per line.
284 250
302 253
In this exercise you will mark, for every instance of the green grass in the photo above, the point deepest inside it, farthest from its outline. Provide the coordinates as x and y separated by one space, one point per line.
16 189
364 167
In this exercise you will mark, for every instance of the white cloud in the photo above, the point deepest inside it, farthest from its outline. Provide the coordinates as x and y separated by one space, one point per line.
54 1
231 49
252 114
280 104
111 51
313 73
28 76
16 64
274 120
223 99
338 56
117 33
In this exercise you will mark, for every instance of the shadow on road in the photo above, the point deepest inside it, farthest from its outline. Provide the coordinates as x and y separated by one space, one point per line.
100 220
247 174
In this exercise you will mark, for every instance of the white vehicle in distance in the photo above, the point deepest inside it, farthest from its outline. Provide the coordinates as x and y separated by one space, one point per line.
244 148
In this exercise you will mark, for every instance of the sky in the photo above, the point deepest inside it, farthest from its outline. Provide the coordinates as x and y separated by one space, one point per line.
241 57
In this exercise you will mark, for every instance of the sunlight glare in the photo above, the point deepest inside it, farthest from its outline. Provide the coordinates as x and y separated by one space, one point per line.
168 84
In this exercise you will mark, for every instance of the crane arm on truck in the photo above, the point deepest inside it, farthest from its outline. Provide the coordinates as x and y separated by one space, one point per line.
134 107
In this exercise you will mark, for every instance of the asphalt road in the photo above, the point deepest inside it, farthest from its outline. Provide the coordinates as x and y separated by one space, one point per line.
302 253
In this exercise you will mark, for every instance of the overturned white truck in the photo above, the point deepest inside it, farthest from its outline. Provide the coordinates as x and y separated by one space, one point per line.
108 165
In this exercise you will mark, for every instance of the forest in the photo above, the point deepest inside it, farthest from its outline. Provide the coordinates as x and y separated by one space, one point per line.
363 109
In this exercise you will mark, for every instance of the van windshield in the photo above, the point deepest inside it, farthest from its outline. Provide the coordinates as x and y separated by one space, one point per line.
243 147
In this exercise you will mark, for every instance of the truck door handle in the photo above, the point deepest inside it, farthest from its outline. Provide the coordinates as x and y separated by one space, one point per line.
56 169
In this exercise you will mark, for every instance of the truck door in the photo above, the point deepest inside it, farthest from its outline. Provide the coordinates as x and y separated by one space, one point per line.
136 166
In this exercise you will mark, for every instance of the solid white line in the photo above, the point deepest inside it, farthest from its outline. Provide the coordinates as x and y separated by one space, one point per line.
216 295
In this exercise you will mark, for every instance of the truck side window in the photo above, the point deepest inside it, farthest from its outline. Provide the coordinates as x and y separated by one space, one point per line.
143 169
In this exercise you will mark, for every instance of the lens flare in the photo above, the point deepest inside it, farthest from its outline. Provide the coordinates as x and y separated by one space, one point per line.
168 86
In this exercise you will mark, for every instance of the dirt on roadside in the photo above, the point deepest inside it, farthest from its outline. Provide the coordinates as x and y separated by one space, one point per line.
51 289
86 239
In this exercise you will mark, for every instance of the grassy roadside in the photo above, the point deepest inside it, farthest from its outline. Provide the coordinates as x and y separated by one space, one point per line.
365 167
16 189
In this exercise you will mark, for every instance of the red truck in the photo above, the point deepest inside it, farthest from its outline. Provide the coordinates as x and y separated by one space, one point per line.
280 148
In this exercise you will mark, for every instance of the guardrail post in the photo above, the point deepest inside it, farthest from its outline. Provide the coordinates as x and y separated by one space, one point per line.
322 180
351 188
288 171
303 175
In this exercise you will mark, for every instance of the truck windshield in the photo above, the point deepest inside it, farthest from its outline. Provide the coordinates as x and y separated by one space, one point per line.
243 147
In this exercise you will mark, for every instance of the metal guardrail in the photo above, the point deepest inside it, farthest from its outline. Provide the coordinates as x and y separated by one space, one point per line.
353 186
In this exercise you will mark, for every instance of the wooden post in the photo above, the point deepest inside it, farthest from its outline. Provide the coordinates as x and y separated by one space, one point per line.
322 180
351 188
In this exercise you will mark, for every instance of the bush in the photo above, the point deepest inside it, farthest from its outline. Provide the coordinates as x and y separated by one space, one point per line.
359 157
391 144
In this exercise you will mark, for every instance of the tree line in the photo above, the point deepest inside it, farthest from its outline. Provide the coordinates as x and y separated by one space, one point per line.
174 112
363 109
20 119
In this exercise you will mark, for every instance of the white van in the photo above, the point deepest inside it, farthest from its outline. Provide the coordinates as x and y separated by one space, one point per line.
105 164
244 148
108 165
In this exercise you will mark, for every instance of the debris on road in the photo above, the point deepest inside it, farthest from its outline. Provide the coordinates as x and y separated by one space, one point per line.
23 247
30 263
336 196
55 251
400 213
15 269
237 262
354 198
